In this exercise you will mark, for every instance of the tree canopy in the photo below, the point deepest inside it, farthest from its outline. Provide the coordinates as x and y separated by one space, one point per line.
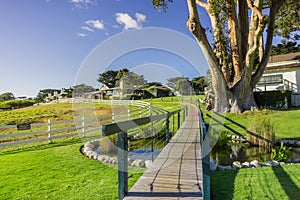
6 96
242 33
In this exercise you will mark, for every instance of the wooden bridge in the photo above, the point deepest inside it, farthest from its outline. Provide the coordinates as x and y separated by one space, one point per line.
177 171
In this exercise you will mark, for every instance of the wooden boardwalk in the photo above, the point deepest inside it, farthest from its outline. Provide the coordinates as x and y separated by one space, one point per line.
177 172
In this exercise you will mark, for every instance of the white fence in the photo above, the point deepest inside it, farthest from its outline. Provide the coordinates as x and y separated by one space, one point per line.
84 127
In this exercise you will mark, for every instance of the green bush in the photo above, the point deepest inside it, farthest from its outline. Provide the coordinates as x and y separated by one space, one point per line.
280 154
261 132
14 104
274 99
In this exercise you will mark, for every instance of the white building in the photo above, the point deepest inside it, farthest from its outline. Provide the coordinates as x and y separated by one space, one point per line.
282 73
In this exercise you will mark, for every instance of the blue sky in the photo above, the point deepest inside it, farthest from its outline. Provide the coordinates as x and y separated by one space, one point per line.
44 43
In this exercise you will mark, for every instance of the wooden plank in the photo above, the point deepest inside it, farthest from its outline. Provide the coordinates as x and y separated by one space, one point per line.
177 171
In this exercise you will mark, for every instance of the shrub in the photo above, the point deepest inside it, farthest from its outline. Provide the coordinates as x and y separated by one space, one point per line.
109 144
274 99
14 104
261 132
280 154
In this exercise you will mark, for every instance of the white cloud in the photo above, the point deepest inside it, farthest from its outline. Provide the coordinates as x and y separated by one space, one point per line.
140 17
87 28
97 24
130 23
82 3
82 35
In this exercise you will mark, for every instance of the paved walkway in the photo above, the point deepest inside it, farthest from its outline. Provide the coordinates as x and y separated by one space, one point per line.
177 172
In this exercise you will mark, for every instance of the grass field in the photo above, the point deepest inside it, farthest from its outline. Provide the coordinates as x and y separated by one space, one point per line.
286 123
58 172
280 182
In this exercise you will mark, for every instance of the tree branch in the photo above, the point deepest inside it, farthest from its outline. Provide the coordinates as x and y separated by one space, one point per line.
203 4
274 8
234 38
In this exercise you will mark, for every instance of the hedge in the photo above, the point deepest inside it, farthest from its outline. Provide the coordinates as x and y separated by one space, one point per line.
14 104
274 99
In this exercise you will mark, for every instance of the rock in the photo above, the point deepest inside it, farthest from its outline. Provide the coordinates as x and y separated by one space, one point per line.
129 160
297 144
236 164
281 163
254 163
138 163
224 168
113 160
294 160
246 165
212 166
272 163
148 163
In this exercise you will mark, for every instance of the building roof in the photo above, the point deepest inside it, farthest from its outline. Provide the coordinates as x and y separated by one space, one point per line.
284 57
285 61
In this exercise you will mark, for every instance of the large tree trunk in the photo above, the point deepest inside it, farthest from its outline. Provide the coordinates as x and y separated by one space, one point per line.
233 83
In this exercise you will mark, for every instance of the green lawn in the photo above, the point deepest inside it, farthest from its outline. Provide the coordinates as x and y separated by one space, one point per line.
286 123
280 182
58 172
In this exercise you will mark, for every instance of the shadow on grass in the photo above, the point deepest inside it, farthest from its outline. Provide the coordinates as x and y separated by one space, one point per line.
222 184
287 184
40 146
237 124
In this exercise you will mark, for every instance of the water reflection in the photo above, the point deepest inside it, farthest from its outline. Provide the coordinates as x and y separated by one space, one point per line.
230 153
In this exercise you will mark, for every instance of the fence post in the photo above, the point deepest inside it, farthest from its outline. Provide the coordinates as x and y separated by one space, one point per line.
141 111
128 114
49 131
122 164
178 120
167 128
82 126
205 162
113 117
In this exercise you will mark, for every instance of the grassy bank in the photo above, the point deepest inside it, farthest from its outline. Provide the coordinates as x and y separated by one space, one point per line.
58 172
280 182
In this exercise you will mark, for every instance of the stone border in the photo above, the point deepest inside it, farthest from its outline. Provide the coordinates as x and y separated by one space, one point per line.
91 149
253 164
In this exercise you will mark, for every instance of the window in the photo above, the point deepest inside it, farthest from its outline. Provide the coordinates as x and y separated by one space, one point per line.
270 80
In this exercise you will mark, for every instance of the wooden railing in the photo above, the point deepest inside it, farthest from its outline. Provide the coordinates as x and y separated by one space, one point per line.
122 129
11 135
205 149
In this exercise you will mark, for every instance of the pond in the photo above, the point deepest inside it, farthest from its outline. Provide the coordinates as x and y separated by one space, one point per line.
146 149
226 155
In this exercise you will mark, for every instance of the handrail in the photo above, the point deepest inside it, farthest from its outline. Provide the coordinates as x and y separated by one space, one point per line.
204 141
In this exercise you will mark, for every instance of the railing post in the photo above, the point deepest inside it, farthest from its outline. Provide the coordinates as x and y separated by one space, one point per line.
167 128
205 162
113 117
141 111
128 111
178 120
122 164
82 126
49 131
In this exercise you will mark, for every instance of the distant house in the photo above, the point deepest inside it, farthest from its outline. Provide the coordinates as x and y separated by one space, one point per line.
282 73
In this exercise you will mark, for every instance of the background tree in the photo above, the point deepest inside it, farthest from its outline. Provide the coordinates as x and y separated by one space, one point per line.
108 78
42 94
82 88
172 81
285 47
199 84
183 86
238 39
6 96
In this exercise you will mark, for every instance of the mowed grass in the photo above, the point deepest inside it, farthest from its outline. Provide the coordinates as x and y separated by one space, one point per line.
280 182
286 122
58 173
41 113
